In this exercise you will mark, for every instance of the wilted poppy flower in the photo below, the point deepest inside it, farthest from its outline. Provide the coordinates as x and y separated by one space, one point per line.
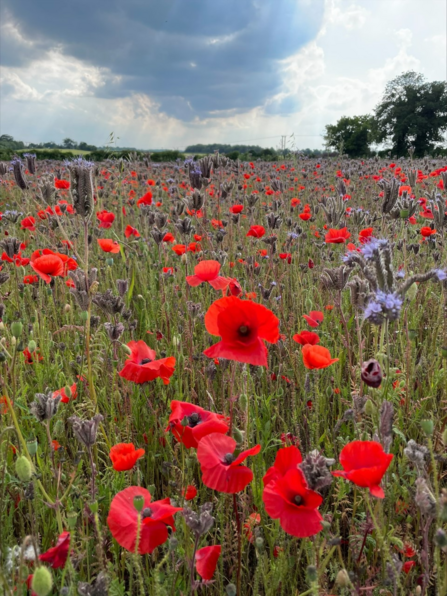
61 184
65 399
142 367
371 373
56 556
28 224
206 561
124 456
365 463
426 232
234 287
256 231
221 469
145 199
337 236
316 357
48 266
190 423
123 520
306 337
108 245
130 231
106 219
314 318
208 271
287 497
243 326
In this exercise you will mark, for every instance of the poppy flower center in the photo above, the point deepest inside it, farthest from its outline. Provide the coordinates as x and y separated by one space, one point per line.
147 512
298 499
146 360
193 420
244 330
229 458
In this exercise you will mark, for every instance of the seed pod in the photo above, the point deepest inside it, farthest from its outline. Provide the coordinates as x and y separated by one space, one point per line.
24 469
42 583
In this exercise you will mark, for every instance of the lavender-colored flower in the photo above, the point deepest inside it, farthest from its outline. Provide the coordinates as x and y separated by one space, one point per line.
383 305
440 274
371 248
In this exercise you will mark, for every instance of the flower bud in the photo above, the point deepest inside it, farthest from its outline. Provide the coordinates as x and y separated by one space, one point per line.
84 316
109 261
17 328
24 469
441 538
67 308
372 373
173 543
311 574
231 590
369 408
72 518
42 582
32 346
238 435
67 390
427 426
32 446
259 544
93 506
243 401
126 349
342 580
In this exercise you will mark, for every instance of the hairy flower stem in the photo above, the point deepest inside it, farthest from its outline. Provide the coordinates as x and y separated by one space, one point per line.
239 545
191 568
137 558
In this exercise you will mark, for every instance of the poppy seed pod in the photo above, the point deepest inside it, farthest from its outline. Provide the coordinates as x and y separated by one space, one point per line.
372 373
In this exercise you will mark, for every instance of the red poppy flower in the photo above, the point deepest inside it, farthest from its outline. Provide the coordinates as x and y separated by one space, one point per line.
426 232
190 423
61 184
253 520
208 271
106 218
243 326
124 456
295 202
142 367
337 236
287 497
168 237
108 245
28 223
31 279
31 358
130 231
365 235
306 337
179 249
206 561
145 199
316 357
221 470
408 566
365 463
235 287
190 492
235 209
314 318
48 265
123 520
65 399
256 231
56 556
194 247
305 216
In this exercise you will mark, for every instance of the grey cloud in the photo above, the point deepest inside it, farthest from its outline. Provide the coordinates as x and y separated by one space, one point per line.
193 57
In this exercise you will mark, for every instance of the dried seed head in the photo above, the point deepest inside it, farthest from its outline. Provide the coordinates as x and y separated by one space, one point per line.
86 430
44 406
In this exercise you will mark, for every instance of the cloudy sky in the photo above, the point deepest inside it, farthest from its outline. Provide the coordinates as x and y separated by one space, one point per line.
167 73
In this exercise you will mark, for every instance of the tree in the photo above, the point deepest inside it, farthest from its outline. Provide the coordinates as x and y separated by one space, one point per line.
69 143
351 135
412 113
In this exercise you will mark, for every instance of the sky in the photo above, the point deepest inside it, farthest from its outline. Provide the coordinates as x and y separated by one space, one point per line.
166 74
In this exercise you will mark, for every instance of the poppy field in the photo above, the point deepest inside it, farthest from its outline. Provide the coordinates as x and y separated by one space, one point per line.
223 377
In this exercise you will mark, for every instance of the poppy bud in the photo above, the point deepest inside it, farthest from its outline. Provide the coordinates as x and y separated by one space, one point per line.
427 427
84 316
59 428
311 574
372 373
342 580
412 291
72 518
13 340
67 390
67 308
441 538
151 489
24 470
42 583
109 261
369 408
17 328
2 356
32 445
126 349
238 436
138 503
259 544
231 590
243 401
32 345
93 507
173 543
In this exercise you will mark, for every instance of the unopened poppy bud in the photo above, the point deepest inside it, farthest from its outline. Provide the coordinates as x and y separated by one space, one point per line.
67 308
17 328
412 291
138 503
67 390
151 489
32 446
109 261
32 345
24 470
418 591
404 213
59 428
173 543
243 401
311 574
231 590
238 435
371 373
93 507
369 408
84 316
13 340
2 356
72 518
176 340
126 349
342 580
259 544
441 538
42 582
49 291
427 426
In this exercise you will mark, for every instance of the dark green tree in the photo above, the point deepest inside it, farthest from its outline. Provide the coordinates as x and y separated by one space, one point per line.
412 113
351 135
69 143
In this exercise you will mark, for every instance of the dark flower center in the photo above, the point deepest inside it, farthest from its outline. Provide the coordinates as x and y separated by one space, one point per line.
244 330
146 360
229 458
147 512
193 420
298 499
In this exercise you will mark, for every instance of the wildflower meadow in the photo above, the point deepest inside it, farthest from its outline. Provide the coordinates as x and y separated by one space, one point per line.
223 377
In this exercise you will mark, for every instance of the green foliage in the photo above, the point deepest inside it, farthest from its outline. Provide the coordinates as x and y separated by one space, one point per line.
412 113
351 135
